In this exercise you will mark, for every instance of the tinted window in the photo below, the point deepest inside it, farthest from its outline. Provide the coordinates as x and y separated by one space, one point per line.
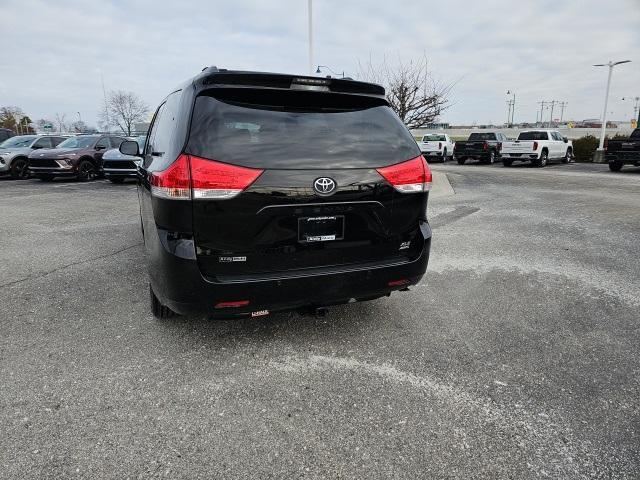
635 134
56 140
17 142
103 143
116 141
164 126
482 136
434 138
77 142
42 143
299 130
533 136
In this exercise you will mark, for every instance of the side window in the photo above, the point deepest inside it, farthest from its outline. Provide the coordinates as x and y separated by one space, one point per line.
164 126
152 133
102 143
43 143
56 140
116 141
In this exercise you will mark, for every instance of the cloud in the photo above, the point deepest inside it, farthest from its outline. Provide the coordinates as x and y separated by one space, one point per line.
543 50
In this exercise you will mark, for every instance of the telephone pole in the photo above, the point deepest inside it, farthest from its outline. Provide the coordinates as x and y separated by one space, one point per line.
562 105
553 104
542 104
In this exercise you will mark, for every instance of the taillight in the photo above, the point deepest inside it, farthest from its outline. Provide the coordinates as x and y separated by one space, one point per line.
202 178
535 146
439 145
485 146
412 176
499 146
606 143
215 180
174 182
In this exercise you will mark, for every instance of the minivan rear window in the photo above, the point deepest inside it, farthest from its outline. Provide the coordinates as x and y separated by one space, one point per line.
298 130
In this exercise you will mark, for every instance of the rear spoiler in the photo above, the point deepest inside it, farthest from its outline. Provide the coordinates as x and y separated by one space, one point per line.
295 82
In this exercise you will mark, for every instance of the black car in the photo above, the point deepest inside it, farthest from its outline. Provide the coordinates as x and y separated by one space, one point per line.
262 192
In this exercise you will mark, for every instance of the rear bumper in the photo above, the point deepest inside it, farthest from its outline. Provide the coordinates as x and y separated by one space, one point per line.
435 153
626 158
478 154
525 157
179 284
58 171
120 172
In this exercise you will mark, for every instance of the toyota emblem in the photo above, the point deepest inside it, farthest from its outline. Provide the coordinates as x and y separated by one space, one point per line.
324 185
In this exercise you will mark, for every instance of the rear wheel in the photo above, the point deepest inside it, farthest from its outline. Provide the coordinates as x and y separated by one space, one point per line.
159 310
461 161
615 166
19 168
568 156
86 171
542 160
492 158
116 179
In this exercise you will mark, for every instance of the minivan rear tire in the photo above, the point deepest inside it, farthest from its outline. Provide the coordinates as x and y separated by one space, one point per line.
159 310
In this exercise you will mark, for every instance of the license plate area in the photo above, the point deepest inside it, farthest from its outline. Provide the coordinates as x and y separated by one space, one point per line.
326 228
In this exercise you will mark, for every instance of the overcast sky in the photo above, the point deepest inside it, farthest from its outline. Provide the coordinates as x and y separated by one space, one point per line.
55 51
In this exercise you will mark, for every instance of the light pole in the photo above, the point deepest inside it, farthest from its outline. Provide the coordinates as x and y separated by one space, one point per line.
512 107
310 12
636 107
324 66
606 98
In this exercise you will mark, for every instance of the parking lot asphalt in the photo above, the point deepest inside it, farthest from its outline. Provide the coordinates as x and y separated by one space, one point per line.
516 357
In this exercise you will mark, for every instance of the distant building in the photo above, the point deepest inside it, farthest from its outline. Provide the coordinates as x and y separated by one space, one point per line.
436 126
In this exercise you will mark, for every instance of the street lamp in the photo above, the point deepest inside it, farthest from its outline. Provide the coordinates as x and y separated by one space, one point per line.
606 98
324 66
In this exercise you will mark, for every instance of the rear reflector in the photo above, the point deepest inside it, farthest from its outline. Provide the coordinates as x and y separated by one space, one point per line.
535 145
199 178
236 304
398 283
412 176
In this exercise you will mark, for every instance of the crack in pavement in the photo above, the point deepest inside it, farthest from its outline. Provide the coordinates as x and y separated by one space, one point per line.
73 264
450 217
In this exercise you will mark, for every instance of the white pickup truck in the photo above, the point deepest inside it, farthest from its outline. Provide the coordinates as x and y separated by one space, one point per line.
537 147
437 145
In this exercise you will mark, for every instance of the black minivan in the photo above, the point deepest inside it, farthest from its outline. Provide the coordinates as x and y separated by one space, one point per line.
263 192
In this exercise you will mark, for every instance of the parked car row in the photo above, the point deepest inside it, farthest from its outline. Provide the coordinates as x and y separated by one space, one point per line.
81 156
535 146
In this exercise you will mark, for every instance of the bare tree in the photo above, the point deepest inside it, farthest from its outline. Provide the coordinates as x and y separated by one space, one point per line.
79 126
123 110
411 90
62 126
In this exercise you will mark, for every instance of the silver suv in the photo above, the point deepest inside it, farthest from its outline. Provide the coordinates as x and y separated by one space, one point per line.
14 152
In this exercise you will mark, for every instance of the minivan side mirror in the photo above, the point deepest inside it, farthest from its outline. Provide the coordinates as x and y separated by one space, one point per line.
129 147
